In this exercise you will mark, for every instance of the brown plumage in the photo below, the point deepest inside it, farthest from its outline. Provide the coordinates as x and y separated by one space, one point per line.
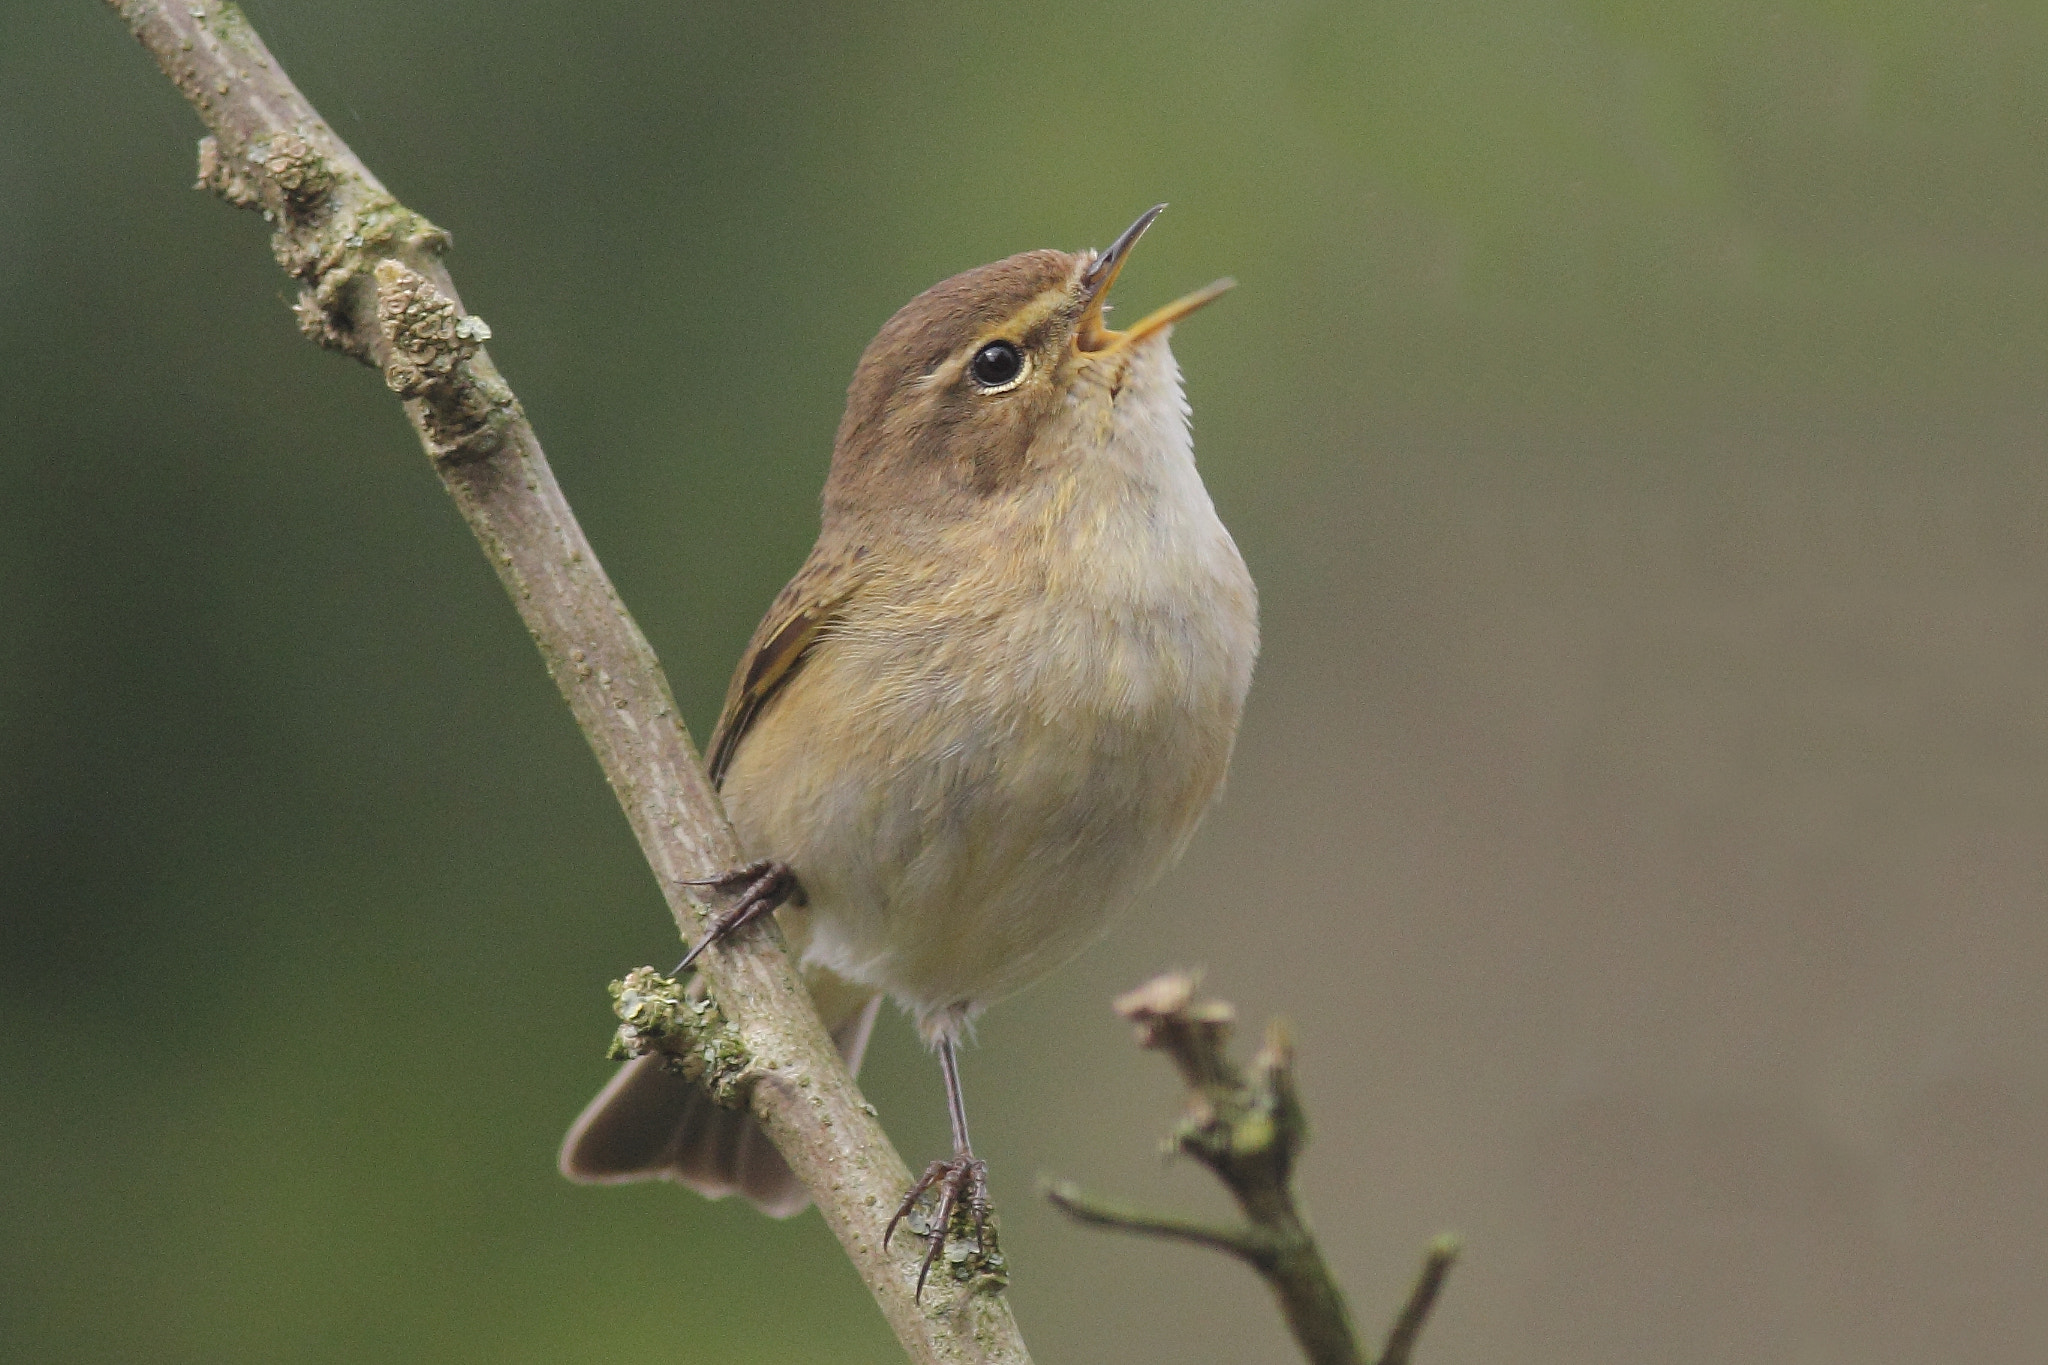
996 699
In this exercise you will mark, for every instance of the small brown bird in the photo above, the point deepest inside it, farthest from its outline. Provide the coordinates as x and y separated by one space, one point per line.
990 708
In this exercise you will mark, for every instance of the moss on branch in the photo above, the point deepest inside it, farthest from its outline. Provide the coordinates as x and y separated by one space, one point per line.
660 1015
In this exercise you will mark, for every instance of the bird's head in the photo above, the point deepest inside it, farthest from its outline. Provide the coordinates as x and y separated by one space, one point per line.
1001 374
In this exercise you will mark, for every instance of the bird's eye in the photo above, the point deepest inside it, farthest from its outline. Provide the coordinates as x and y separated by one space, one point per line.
996 365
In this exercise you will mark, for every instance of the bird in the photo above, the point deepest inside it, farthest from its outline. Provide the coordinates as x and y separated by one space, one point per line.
989 710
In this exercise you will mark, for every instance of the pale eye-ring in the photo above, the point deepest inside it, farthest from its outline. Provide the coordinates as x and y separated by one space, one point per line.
997 365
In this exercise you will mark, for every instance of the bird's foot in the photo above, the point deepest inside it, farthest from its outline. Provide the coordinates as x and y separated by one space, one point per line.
762 886
962 1186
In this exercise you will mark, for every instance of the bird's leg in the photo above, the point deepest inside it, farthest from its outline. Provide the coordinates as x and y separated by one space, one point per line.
762 886
961 1181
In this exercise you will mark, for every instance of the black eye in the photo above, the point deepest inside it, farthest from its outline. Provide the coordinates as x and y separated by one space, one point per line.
996 364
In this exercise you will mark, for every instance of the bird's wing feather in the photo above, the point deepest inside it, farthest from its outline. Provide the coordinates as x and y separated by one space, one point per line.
800 615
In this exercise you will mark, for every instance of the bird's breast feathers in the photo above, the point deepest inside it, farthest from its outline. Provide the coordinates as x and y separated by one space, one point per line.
1002 739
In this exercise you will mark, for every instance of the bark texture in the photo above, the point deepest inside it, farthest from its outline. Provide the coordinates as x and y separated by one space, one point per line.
372 284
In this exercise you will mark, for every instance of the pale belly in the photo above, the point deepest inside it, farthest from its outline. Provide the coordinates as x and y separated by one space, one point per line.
967 804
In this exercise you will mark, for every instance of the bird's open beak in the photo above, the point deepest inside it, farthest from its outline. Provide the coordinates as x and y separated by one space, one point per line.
1094 285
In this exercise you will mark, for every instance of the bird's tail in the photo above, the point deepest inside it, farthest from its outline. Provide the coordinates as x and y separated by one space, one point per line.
651 1124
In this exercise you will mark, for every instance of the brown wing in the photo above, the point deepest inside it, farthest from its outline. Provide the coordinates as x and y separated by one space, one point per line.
799 615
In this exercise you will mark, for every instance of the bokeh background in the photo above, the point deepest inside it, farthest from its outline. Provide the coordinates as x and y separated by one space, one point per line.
1635 415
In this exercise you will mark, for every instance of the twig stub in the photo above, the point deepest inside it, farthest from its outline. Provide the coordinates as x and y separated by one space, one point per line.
1436 1267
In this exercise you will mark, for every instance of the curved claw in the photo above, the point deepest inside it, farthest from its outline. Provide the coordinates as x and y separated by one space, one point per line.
763 887
924 1182
962 1178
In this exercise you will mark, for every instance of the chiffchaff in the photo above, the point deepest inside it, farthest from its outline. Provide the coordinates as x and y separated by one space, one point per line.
990 708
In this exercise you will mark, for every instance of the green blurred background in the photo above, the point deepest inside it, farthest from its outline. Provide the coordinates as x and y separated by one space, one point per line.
1633 414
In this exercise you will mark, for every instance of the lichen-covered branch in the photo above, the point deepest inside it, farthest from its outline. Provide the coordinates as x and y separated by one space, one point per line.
658 1014
372 285
1248 1130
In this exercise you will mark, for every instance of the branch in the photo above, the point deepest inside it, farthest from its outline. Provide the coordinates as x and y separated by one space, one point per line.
372 285
1436 1267
1245 1243
1248 1132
